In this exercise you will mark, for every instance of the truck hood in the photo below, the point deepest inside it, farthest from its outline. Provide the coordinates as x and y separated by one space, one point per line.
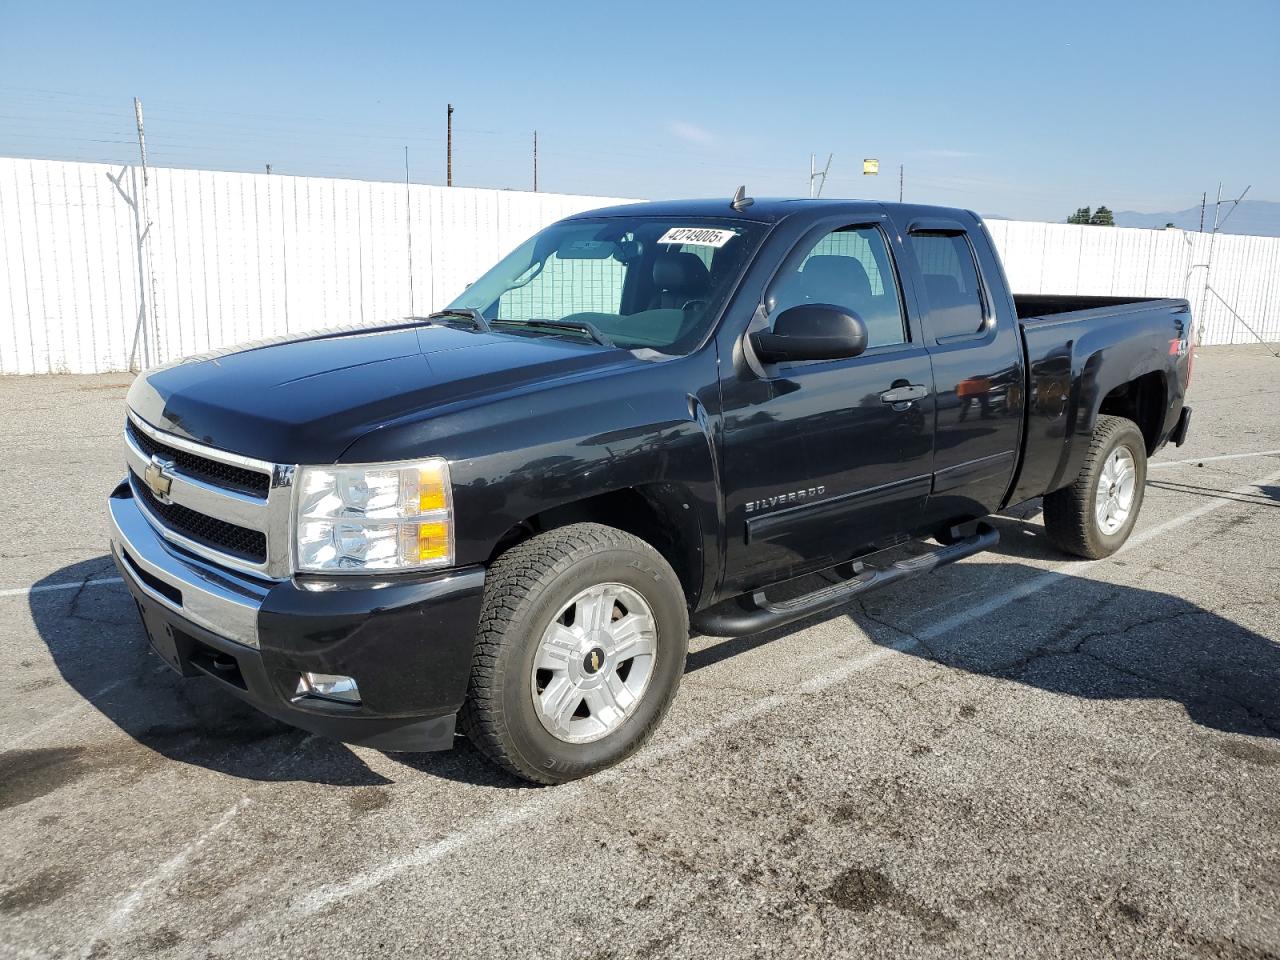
306 399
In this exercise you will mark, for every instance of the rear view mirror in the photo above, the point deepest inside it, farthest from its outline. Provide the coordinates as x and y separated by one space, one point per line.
586 250
812 331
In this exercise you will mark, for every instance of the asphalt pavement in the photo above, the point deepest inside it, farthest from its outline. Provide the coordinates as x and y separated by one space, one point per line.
1023 755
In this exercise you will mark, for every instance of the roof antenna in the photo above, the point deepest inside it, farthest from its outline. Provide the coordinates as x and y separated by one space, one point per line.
740 199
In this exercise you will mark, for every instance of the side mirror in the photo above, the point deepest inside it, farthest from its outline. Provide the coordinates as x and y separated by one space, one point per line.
812 331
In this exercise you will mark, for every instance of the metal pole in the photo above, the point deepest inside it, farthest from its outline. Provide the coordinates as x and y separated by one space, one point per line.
1204 199
535 161
144 241
899 183
448 180
408 226
823 182
813 172
1208 266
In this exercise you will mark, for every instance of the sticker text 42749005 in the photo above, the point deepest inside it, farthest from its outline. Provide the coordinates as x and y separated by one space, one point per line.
698 236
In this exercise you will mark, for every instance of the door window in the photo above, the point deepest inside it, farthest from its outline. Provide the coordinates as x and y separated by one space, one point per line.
952 291
848 268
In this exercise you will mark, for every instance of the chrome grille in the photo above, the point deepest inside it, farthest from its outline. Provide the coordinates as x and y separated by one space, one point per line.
232 510
249 545
203 468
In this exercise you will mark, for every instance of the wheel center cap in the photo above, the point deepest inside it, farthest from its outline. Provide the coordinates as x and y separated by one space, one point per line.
593 661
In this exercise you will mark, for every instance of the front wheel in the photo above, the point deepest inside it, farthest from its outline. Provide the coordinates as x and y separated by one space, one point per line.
580 650
1094 516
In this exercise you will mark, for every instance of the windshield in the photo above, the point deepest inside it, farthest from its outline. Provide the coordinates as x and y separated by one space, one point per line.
655 282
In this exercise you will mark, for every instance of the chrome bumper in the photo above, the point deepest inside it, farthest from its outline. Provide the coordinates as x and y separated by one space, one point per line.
223 603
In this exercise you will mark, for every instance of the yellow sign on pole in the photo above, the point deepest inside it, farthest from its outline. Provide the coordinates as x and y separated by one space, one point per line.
870 168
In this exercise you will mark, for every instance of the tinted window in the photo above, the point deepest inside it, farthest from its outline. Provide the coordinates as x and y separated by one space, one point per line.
951 288
849 268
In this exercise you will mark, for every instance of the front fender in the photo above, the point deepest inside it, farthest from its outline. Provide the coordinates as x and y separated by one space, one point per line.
515 456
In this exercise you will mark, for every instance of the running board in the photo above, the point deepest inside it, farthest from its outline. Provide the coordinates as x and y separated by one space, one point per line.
755 613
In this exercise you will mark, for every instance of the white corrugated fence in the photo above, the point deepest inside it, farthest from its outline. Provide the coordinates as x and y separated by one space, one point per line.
87 286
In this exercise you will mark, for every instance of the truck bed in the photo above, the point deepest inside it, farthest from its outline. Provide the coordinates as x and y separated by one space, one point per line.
1031 305
1077 349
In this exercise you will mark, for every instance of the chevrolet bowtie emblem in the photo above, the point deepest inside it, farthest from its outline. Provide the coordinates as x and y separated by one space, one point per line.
159 482
595 661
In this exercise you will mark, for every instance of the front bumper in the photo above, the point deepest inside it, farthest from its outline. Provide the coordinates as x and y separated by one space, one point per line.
407 642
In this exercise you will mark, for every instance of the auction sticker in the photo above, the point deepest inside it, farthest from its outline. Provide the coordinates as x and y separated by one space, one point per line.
698 236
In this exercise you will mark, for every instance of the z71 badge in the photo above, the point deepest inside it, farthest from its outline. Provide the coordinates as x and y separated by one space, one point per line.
785 499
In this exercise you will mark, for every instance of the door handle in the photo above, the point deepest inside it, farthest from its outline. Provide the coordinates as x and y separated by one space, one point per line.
904 394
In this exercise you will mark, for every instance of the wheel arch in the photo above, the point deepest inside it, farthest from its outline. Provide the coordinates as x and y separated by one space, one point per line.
1144 400
660 513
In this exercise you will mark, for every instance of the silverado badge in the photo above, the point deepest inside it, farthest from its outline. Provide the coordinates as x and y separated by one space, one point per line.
785 499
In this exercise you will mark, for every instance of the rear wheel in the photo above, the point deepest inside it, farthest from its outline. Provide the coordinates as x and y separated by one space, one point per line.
1094 516
580 650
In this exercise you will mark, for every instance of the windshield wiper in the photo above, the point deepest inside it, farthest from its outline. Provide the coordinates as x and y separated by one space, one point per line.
465 313
577 326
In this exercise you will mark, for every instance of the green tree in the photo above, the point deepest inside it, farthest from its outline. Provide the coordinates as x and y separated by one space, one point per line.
1102 217
1080 216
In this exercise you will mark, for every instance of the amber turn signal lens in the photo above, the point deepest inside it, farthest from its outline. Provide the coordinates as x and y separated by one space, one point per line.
431 493
433 541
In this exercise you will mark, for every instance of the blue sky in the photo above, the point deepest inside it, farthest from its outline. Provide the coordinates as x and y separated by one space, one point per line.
1017 109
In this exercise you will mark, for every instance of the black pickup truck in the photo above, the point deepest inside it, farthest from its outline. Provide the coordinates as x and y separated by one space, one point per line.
507 516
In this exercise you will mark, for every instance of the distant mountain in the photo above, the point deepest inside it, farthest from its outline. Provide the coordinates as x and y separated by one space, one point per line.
1260 218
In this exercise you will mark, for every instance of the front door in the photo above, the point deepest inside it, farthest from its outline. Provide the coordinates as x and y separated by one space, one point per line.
824 459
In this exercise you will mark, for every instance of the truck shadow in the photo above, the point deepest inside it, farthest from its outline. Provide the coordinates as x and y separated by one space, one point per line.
1075 636
1072 635
98 645
1095 640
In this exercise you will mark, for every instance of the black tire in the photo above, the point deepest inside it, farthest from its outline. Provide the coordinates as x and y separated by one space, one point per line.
525 588
1069 517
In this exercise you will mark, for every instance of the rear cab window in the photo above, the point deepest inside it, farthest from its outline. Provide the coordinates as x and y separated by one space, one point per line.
955 302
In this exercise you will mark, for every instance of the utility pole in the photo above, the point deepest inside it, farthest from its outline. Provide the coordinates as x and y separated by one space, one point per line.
448 178
1204 198
408 226
814 175
535 161
144 249
900 183
1219 222
1208 267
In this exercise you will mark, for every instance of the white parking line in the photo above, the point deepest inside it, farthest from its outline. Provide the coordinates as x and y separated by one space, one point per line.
167 870
170 867
69 712
48 587
1157 464
495 823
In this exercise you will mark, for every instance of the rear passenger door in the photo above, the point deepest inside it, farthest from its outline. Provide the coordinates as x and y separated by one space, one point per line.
972 337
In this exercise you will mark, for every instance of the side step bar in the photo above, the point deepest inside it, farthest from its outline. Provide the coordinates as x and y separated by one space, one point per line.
755 613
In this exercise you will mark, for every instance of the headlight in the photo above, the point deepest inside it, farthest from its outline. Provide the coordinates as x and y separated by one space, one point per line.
375 516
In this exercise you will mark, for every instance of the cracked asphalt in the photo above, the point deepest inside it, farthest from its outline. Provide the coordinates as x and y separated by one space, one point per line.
1020 756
